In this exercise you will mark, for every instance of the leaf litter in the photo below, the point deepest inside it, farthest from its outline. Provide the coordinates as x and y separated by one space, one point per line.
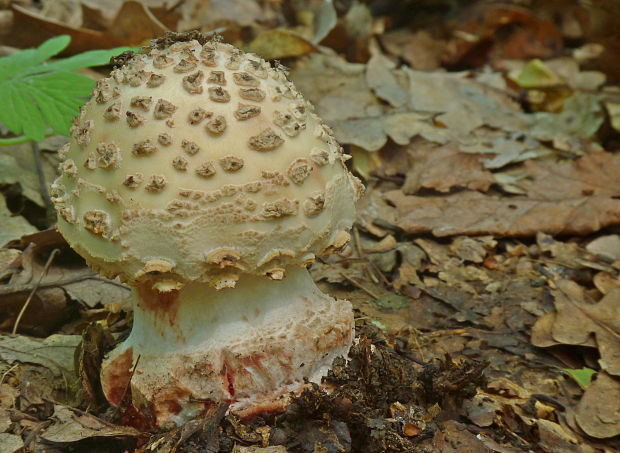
484 264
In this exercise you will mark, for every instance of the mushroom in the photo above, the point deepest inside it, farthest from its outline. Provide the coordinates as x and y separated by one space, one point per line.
210 201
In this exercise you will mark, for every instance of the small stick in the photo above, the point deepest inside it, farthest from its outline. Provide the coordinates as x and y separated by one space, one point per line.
360 286
129 381
34 290
7 372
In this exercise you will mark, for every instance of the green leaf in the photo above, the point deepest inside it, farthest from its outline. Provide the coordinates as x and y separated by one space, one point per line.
69 83
12 65
583 376
57 114
35 94
33 123
7 112
83 60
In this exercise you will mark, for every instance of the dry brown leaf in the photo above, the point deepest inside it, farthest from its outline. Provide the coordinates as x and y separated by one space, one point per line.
598 411
280 43
475 213
69 426
67 275
607 247
133 24
577 320
13 226
606 282
420 50
11 443
593 174
472 249
382 80
55 353
443 167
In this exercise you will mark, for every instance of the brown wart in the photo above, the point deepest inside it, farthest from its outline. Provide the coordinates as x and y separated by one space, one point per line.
105 92
97 222
155 80
180 163
185 65
230 190
189 147
164 109
109 155
144 148
253 186
252 94
314 204
82 134
134 119
193 82
133 181
156 184
164 139
217 78
162 61
209 57
267 140
205 170
69 168
287 123
246 111
299 170
197 115
231 164
139 78
319 157
280 208
217 125
180 206
142 102
245 79
91 161
223 258
257 68
113 196
234 60
218 94
299 111
68 215
63 151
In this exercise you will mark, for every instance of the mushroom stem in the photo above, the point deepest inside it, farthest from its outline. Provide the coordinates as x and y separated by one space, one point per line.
238 345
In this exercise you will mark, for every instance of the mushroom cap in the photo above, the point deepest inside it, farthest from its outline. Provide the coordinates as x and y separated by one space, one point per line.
201 162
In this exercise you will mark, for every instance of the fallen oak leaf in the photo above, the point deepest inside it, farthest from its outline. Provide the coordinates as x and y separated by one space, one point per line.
443 167
597 412
577 320
70 426
133 24
280 43
473 213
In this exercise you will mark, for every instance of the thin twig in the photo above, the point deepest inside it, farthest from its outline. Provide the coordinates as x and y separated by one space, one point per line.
417 343
34 290
360 286
49 207
7 372
129 381
61 282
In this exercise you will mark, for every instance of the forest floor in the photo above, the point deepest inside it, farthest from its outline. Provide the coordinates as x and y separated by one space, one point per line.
484 264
